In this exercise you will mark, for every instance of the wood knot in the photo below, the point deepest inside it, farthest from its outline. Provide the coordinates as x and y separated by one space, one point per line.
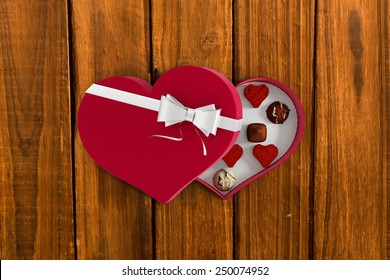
355 32
356 47
209 42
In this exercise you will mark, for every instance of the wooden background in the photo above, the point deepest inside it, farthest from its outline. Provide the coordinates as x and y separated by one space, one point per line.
330 200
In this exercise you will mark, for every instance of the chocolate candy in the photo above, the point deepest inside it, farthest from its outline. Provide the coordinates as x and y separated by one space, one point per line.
256 132
233 155
224 180
277 112
265 154
256 94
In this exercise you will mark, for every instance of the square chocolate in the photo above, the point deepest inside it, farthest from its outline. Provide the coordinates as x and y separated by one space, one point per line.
256 132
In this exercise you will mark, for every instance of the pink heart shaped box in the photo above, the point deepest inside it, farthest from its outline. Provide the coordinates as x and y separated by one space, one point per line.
118 135
288 135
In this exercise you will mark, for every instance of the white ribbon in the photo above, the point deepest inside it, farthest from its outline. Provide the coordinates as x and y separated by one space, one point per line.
170 111
205 118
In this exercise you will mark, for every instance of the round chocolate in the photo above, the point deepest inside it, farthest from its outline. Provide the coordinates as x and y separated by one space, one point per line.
277 112
224 180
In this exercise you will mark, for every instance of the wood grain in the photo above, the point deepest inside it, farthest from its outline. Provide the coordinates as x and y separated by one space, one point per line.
385 77
275 39
350 154
114 220
197 224
36 205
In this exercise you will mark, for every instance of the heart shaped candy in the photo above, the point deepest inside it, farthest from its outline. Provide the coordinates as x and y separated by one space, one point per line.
119 136
233 155
265 154
256 94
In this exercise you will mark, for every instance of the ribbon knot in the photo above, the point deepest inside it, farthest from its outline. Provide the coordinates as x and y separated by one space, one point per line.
205 118
190 115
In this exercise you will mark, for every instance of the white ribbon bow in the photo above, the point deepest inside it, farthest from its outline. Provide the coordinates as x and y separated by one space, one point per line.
205 118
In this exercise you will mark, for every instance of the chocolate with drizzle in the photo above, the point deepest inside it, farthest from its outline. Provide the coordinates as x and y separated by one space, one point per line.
277 112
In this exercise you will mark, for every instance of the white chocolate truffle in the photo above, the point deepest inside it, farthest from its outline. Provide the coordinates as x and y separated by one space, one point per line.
224 180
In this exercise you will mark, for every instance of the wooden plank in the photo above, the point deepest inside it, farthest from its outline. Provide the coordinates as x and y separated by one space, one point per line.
385 76
350 154
114 220
276 39
36 205
196 224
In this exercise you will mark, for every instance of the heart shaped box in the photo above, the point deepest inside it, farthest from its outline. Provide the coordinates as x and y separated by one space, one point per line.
118 136
286 137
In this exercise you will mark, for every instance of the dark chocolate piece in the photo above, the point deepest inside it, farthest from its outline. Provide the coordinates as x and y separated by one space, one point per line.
277 112
256 132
